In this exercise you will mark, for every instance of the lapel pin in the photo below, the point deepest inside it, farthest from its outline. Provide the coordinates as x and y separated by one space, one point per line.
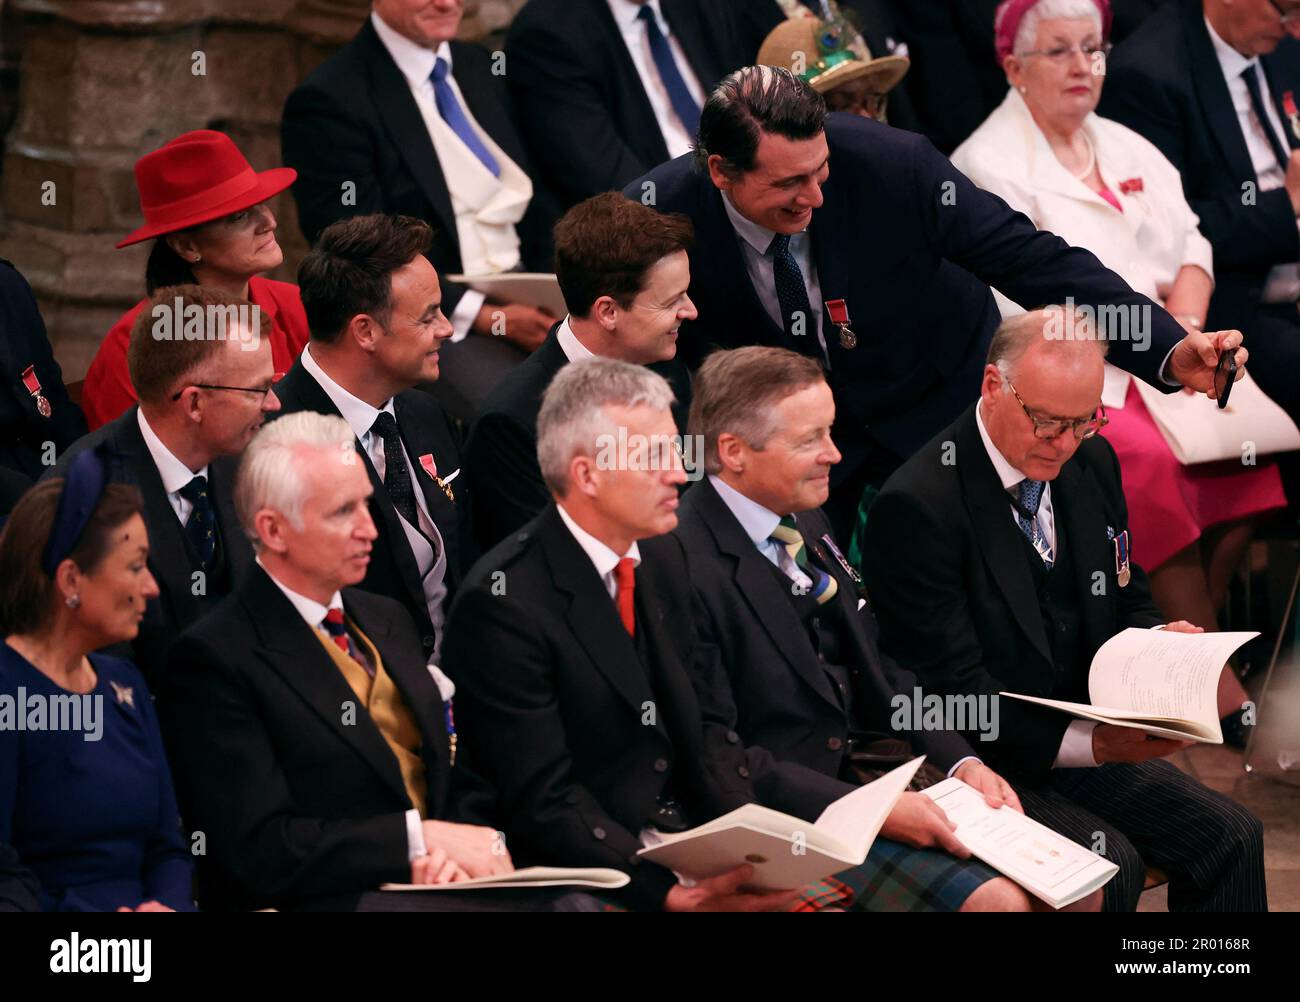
124 693
839 312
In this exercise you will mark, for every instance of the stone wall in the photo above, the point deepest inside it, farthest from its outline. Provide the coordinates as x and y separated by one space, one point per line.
101 82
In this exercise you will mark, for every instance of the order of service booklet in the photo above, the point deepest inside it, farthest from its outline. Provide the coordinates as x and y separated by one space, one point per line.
1157 681
1046 864
786 852
530 876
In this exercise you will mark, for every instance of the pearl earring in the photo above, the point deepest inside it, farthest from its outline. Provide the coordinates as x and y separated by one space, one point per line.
73 601
198 258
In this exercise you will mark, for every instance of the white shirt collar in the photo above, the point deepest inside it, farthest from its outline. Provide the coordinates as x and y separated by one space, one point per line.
359 415
1007 473
574 350
627 14
758 237
415 61
174 473
1234 64
758 522
311 611
601 555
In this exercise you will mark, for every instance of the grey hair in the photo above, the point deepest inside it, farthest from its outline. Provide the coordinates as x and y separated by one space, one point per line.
1017 334
269 473
1051 10
573 416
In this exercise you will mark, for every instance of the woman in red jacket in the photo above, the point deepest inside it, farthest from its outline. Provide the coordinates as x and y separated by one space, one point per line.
206 211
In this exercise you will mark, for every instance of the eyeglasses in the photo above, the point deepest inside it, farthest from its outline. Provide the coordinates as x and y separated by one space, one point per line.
264 391
1061 54
1048 428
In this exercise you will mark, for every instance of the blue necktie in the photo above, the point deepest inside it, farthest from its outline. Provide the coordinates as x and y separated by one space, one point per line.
678 93
788 536
792 295
1031 495
1251 76
201 526
454 115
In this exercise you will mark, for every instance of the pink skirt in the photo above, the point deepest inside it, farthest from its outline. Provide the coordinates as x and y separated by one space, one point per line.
1169 504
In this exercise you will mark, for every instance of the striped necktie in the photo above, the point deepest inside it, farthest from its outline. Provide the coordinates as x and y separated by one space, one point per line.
787 534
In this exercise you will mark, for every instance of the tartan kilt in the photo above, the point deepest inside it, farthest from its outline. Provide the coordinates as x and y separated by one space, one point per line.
898 878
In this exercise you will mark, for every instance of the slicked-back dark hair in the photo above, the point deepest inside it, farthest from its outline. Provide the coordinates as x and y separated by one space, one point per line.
350 270
749 102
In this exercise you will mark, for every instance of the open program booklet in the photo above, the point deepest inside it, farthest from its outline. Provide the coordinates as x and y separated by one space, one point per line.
786 852
1046 864
530 876
1157 681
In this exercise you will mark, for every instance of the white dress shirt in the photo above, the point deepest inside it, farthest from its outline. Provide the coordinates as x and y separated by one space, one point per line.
1283 282
627 16
604 559
360 417
173 472
754 243
313 614
1076 745
487 208
574 350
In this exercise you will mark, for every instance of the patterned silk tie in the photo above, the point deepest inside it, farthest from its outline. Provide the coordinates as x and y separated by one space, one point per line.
1031 495
792 295
788 535
338 632
202 524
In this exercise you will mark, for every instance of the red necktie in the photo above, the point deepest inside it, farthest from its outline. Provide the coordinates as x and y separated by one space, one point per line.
337 631
625 580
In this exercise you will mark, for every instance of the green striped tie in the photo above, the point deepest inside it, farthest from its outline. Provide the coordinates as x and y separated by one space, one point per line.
788 535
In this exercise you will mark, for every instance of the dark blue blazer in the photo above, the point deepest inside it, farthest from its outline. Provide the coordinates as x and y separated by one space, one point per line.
912 246
1164 82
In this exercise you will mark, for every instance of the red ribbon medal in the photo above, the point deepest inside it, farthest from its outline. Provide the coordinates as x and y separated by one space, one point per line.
34 388
839 311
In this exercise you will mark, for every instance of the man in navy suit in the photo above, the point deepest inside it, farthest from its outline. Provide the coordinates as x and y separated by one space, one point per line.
1215 86
860 246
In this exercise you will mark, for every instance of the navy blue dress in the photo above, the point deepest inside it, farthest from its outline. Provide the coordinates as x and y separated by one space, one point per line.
95 820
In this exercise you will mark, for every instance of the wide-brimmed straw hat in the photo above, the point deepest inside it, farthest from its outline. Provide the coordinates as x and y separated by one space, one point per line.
828 62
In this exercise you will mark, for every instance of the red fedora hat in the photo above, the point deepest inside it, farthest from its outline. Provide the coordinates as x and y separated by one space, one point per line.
197 177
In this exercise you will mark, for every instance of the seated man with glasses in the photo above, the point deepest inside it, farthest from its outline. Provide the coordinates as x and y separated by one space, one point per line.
998 559
204 391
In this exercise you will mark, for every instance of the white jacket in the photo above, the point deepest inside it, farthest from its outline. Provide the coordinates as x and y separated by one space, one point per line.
1146 245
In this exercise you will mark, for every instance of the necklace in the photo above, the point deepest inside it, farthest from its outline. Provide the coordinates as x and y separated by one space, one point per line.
1092 159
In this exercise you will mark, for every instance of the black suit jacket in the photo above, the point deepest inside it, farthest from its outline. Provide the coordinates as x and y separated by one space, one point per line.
1165 83
912 247
582 106
786 706
354 119
425 430
501 454
24 431
560 717
177 606
301 805
948 575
